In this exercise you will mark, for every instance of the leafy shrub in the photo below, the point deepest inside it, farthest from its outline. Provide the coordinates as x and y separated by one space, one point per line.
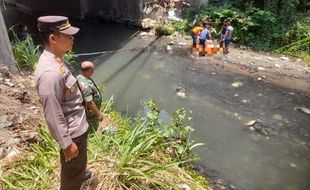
300 49
163 30
182 26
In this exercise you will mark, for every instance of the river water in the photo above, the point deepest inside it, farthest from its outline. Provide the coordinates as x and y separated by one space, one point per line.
145 69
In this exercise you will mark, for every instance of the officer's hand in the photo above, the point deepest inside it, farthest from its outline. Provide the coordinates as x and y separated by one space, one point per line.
71 152
100 116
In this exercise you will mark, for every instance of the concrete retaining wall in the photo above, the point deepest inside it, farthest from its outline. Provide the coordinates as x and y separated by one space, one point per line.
116 10
105 9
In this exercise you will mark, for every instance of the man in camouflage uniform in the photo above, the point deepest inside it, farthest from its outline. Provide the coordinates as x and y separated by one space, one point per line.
91 94
62 100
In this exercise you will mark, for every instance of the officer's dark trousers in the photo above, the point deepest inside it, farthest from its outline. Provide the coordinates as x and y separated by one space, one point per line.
73 172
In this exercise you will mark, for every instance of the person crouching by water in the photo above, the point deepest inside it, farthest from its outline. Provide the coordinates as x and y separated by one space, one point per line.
62 100
195 33
204 35
91 94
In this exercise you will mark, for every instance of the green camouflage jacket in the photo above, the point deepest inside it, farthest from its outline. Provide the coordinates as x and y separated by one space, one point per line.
90 94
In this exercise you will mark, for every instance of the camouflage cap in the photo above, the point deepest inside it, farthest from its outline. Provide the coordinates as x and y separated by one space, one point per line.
56 24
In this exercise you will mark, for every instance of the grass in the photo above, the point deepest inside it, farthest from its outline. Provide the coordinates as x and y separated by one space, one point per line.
299 49
141 154
26 53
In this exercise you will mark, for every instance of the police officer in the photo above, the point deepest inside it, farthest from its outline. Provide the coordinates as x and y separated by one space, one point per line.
91 94
62 100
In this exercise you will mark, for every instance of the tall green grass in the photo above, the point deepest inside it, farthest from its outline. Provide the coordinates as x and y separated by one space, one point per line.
141 154
26 53
299 49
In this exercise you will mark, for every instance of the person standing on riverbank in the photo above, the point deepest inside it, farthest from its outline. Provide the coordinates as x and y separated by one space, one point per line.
222 34
228 37
204 35
91 94
62 100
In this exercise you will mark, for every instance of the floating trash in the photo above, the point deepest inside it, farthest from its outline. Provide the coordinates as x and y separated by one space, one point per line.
244 101
181 95
250 123
304 110
237 84
277 117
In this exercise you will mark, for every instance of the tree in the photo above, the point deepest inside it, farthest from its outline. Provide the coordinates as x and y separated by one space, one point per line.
6 54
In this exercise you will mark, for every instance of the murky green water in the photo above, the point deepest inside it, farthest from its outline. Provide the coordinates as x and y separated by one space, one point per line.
245 158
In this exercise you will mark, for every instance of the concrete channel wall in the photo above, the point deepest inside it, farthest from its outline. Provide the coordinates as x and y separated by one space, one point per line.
116 10
106 9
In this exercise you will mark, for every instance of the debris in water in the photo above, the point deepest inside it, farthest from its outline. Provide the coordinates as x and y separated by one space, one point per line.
277 117
169 48
180 89
258 127
181 92
293 165
252 128
304 110
250 123
237 84
259 78
181 95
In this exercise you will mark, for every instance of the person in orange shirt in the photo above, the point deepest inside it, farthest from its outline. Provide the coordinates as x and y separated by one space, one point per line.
195 33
